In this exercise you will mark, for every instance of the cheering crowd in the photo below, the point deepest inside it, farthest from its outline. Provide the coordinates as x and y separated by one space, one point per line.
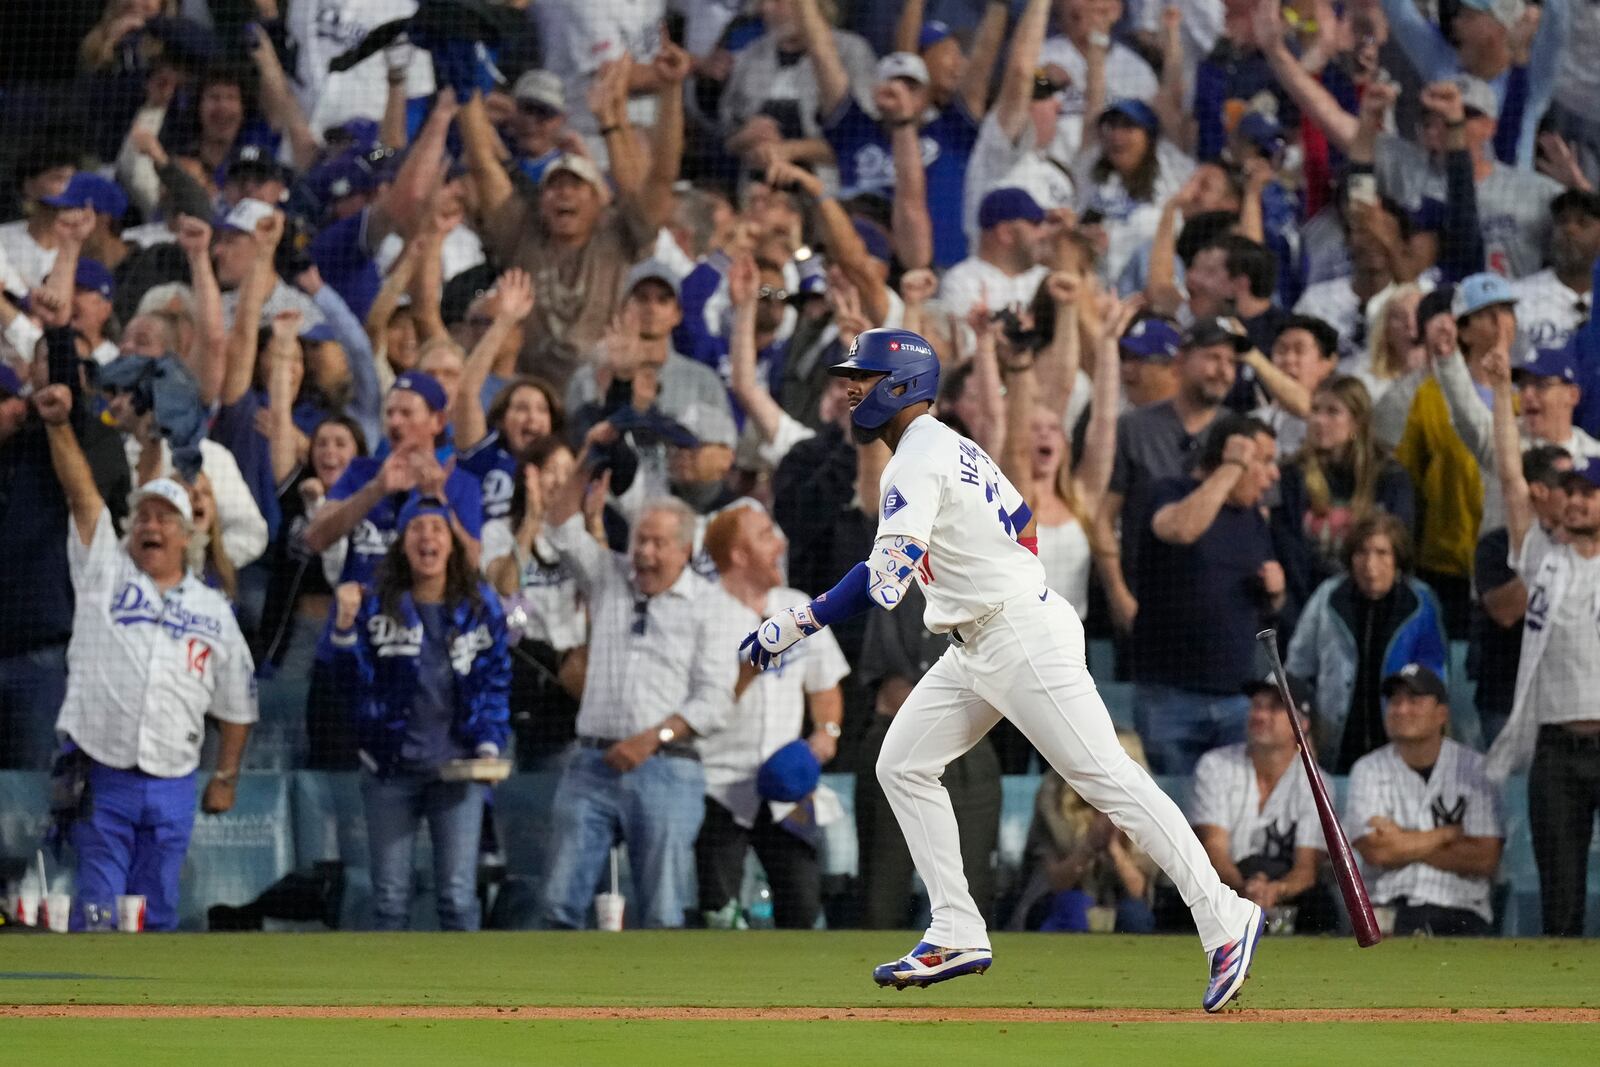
462 395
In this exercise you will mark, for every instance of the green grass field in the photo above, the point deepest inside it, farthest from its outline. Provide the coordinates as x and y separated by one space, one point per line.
776 971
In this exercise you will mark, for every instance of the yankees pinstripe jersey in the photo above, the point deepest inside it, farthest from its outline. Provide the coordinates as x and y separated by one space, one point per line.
1456 792
145 668
1225 794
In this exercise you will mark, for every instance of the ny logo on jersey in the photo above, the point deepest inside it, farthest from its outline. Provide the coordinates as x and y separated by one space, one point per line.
1280 843
893 501
1454 815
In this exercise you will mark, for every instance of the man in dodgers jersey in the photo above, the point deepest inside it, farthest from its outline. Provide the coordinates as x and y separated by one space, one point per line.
154 651
950 517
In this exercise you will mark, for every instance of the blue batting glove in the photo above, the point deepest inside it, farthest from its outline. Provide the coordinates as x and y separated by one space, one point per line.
750 649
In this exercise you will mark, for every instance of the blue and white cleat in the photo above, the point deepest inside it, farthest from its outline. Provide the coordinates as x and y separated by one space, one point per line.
927 964
1230 964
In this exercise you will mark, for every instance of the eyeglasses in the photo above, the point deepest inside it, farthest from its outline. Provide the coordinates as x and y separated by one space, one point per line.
767 292
542 112
641 617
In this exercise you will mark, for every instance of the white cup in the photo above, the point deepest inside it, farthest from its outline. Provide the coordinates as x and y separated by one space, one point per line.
608 911
130 914
26 908
60 907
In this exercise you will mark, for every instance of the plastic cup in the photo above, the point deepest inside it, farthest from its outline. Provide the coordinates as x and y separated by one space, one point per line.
130 914
60 907
26 908
608 911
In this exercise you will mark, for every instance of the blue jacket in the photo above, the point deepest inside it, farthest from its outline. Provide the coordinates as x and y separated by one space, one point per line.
376 664
1324 649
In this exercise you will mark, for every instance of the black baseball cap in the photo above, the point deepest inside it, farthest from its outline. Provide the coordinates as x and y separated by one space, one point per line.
1419 679
1216 331
1297 690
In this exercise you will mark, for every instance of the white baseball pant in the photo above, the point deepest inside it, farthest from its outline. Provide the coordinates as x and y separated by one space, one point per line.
1027 663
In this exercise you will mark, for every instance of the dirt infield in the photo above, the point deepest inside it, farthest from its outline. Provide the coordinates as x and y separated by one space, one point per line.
790 1014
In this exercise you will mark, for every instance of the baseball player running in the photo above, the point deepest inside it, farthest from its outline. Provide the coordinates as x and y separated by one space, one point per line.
948 516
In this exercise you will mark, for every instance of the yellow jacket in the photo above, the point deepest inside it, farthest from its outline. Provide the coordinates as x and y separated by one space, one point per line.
1449 488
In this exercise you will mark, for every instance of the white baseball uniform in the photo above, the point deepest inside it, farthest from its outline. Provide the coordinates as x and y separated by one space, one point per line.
1457 791
1017 650
1547 313
1226 794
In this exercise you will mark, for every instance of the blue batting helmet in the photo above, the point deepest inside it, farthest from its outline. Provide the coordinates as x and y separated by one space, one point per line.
913 376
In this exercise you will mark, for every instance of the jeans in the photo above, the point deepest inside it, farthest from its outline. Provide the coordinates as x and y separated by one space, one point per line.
656 809
1178 726
132 842
32 686
454 810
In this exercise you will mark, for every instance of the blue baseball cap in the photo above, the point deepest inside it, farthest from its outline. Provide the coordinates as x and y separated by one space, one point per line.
425 386
344 175
1561 363
1479 291
1153 339
88 189
790 774
1585 477
874 238
418 506
1008 205
1262 131
95 278
10 384
933 31
1135 111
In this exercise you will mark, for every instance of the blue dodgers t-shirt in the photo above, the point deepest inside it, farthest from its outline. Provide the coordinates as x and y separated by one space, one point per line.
496 471
429 742
1200 605
373 535
866 165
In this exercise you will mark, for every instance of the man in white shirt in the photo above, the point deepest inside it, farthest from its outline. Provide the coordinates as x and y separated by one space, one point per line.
662 665
1252 809
1553 717
1424 817
154 651
320 30
748 551
1557 300
580 35
1005 272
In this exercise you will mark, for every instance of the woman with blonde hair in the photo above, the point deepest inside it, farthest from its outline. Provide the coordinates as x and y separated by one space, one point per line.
1396 345
1338 478
1082 872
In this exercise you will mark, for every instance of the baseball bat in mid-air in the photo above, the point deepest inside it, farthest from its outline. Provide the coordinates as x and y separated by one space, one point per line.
1351 886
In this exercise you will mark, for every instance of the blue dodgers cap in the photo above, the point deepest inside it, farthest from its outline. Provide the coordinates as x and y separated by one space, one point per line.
1479 291
1135 111
10 384
1582 478
1155 339
933 31
790 774
344 175
1560 363
1262 131
425 386
94 277
1008 205
88 189
419 506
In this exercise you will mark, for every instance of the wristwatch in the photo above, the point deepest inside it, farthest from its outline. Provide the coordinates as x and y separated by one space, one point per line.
832 729
666 735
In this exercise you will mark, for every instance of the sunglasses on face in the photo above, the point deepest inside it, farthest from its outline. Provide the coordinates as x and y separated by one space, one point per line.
537 111
767 292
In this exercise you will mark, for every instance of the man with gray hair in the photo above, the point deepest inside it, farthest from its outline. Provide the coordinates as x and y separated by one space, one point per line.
661 673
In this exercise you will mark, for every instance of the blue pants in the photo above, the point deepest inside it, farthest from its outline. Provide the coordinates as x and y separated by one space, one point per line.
1178 726
133 842
656 808
32 686
454 811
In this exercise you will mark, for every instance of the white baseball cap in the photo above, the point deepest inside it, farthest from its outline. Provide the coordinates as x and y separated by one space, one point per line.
168 490
541 87
903 65
245 214
582 167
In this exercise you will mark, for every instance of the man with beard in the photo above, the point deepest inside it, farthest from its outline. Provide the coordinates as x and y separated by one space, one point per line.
1157 443
1555 302
1553 718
